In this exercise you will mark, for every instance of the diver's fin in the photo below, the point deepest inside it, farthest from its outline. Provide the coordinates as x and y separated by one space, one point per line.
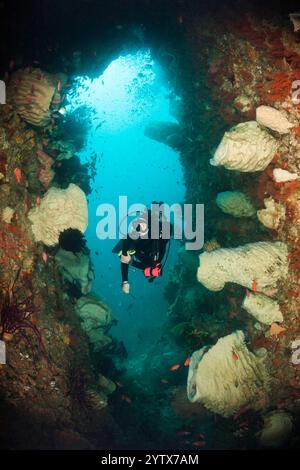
118 247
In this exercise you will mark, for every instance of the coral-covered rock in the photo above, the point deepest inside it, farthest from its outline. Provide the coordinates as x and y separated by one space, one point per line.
246 147
235 203
46 174
261 307
59 210
226 377
273 119
263 262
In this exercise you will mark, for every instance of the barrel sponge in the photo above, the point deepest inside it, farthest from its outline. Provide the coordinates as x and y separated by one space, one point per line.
273 119
272 215
96 319
246 147
227 377
261 307
91 308
59 210
31 92
277 428
264 262
76 268
235 203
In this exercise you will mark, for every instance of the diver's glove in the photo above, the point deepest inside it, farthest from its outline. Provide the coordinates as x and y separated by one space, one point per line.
125 287
126 259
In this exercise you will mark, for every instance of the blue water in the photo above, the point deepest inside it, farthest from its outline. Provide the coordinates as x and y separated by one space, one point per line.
130 93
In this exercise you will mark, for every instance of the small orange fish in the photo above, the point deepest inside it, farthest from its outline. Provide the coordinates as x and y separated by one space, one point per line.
235 357
164 381
18 175
45 257
199 443
187 361
175 367
66 340
254 285
276 329
127 399
70 340
38 200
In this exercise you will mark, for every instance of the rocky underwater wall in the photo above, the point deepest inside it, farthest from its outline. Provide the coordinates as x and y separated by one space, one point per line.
242 119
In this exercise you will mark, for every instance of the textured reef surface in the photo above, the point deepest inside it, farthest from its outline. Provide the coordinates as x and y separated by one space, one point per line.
224 372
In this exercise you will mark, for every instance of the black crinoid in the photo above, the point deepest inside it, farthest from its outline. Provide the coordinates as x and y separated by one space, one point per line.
73 240
16 317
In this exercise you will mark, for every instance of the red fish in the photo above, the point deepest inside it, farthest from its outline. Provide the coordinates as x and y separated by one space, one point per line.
199 443
187 361
175 367
235 357
18 175
127 399
38 200
254 285
45 257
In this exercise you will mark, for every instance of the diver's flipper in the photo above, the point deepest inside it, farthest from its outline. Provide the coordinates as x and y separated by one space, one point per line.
118 247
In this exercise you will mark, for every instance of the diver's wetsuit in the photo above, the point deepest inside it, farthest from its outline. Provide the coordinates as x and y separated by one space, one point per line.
146 251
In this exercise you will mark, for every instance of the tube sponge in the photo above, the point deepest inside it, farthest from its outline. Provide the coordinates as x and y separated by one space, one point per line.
235 203
264 262
246 147
227 377
59 210
261 307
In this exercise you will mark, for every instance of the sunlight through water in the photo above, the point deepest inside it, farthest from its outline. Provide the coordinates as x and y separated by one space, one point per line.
131 93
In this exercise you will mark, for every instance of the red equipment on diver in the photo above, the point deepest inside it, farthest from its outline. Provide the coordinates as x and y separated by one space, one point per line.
154 271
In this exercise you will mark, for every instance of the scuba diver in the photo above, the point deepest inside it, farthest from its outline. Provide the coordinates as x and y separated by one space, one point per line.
143 253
